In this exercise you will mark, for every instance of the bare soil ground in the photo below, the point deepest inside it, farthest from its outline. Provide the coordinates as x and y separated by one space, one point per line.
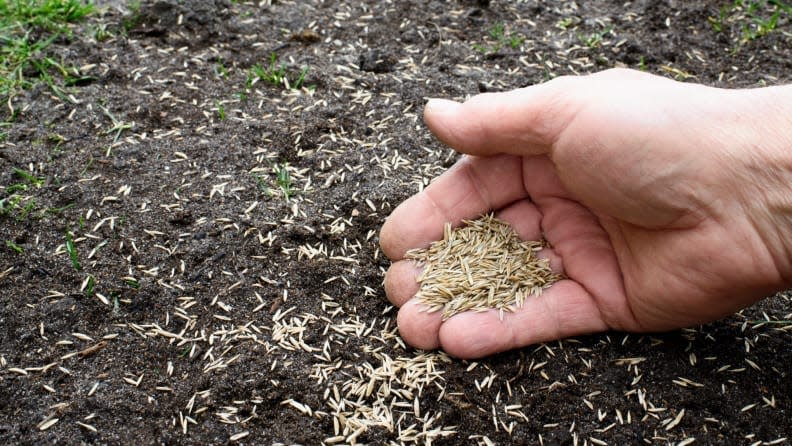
221 278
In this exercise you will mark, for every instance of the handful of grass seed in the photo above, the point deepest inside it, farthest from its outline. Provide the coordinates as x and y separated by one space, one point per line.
478 266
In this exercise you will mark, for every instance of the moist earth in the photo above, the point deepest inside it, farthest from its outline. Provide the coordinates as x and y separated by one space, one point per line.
222 170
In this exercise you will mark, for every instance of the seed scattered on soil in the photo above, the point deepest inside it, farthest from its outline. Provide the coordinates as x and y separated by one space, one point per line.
479 266
234 261
47 424
239 436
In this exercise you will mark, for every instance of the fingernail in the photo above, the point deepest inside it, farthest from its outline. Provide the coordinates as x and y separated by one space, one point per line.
440 106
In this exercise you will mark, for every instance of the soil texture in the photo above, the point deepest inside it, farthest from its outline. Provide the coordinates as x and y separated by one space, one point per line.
190 236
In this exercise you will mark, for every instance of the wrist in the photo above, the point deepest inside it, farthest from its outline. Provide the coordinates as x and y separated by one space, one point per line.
770 182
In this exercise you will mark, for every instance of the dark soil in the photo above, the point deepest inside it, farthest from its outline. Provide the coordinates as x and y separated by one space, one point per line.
229 280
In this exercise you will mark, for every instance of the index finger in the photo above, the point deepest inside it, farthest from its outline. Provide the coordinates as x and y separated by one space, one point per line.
473 186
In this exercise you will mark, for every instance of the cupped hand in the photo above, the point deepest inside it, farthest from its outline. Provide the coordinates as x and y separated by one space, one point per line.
650 193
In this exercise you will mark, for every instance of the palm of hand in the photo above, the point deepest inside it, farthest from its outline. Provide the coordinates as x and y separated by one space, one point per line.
619 275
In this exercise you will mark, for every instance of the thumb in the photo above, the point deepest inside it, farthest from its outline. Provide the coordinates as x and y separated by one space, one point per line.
525 121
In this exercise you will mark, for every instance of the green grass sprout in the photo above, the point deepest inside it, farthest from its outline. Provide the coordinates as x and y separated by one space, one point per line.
594 39
118 125
132 283
276 74
29 177
27 29
298 83
18 249
133 18
89 286
220 110
283 180
72 251
221 70
499 38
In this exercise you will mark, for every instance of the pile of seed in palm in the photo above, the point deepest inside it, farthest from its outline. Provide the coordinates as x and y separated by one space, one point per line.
478 266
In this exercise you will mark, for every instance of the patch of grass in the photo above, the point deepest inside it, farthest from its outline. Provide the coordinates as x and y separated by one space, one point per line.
45 69
50 15
594 39
27 28
16 204
101 33
761 26
719 23
10 205
283 181
751 19
499 38
566 23
275 74
133 18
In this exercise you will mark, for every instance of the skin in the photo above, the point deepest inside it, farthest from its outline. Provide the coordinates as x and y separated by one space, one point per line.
666 204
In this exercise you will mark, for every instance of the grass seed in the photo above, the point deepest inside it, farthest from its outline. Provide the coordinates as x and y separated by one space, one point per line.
479 266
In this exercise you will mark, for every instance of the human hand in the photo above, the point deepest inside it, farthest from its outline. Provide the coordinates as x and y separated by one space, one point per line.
665 204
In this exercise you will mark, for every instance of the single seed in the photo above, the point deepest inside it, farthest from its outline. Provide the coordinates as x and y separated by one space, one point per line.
47 424
239 436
